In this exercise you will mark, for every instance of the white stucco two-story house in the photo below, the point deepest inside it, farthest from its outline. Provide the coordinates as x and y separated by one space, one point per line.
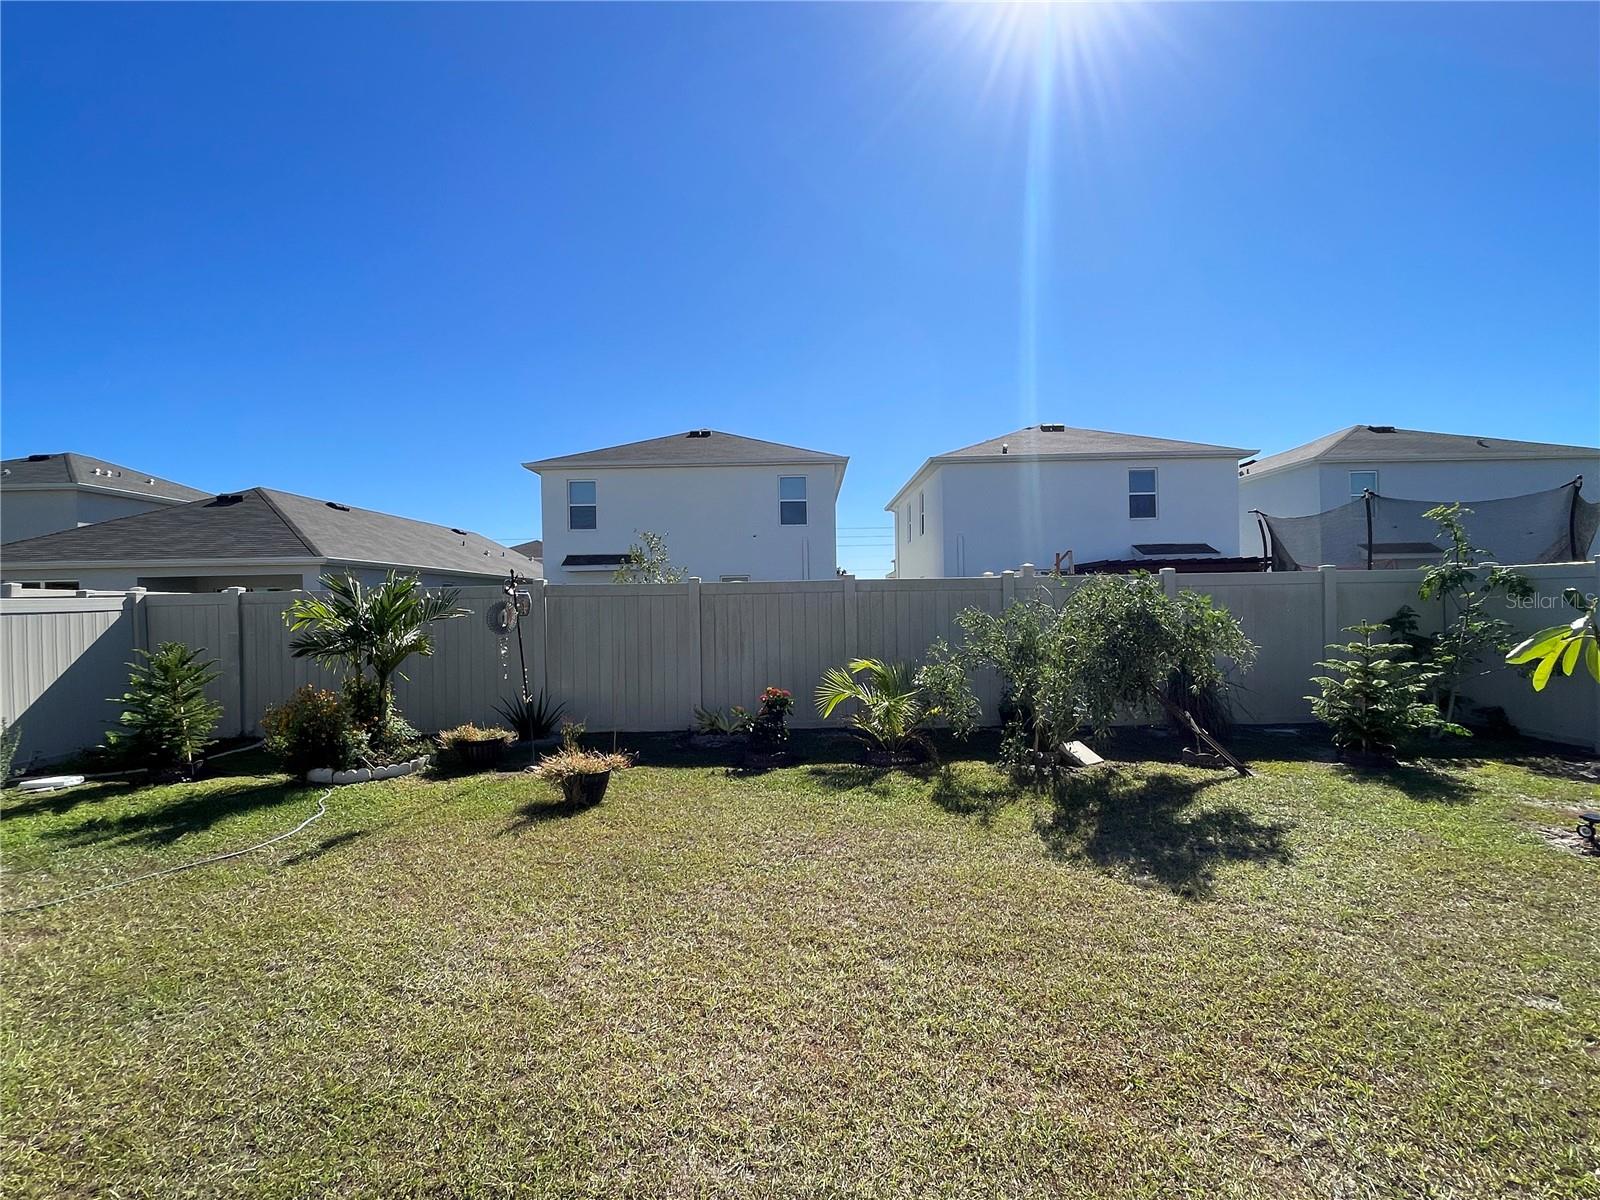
1403 464
1048 490
730 508
46 493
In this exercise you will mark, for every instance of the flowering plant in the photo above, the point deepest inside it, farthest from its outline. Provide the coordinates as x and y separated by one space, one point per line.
770 727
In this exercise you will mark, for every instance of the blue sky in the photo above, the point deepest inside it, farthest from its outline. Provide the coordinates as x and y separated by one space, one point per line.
384 254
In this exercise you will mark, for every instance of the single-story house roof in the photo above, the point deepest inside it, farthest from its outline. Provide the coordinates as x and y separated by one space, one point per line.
533 549
692 448
265 524
1384 443
1051 443
36 472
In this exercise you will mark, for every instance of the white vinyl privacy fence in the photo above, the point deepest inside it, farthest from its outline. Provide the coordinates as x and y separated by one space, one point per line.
643 658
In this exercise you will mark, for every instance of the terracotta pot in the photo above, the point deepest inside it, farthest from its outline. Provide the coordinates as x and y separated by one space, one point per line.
586 789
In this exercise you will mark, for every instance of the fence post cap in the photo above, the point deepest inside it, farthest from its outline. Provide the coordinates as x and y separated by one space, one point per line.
1027 569
1328 567
234 591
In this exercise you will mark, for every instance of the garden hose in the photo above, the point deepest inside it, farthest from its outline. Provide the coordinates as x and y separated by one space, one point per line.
322 811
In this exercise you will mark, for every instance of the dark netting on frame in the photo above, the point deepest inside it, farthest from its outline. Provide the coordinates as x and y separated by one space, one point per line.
1375 532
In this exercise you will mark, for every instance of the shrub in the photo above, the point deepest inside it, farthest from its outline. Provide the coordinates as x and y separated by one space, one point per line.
769 728
168 717
531 717
374 629
1379 699
314 728
733 720
1116 645
472 733
890 711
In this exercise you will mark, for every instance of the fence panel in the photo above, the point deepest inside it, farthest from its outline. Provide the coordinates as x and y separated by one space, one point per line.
64 657
1282 615
622 656
755 635
271 673
897 620
207 622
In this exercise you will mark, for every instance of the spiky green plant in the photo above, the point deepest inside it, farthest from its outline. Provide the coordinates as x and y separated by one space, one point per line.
370 629
1376 700
890 711
167 717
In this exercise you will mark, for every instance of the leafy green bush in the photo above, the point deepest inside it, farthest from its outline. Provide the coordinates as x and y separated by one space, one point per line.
168 718
1116 645
1376 700
735 720
314 728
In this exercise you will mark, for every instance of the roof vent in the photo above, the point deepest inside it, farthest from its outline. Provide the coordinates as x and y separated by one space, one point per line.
1005 447
1052 429
40 457
336 506
1484 444
462 532
1380 428
228 498
698 433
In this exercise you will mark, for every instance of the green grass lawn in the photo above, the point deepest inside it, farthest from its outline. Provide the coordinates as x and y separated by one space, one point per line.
819 981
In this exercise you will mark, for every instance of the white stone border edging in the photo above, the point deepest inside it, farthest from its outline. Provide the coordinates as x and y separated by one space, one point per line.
326 775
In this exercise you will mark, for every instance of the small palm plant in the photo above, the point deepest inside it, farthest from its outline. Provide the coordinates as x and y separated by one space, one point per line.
890 711
374 629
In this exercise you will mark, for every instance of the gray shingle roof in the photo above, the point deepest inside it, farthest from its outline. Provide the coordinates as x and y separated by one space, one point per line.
81 470
1065 442
1383 443
533 549
262 523
685 449
1046 441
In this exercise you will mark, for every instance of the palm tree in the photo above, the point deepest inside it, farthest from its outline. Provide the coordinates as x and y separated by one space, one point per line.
377 628
890 709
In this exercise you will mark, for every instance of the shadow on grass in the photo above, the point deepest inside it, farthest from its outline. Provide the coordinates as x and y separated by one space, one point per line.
1424 782
325 846
982 799
537 812
167 823
1144 826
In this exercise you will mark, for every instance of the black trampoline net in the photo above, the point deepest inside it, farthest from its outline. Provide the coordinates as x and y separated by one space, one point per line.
1375 532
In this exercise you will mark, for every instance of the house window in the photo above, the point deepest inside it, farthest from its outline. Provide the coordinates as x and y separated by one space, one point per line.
582 512
922 513
64 585
735 579
1142 493
1363 481
791 499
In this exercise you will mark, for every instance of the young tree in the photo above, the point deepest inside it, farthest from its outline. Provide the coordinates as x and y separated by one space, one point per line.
1117 644
649 562
374 629
168 717
1376 699
1465 591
